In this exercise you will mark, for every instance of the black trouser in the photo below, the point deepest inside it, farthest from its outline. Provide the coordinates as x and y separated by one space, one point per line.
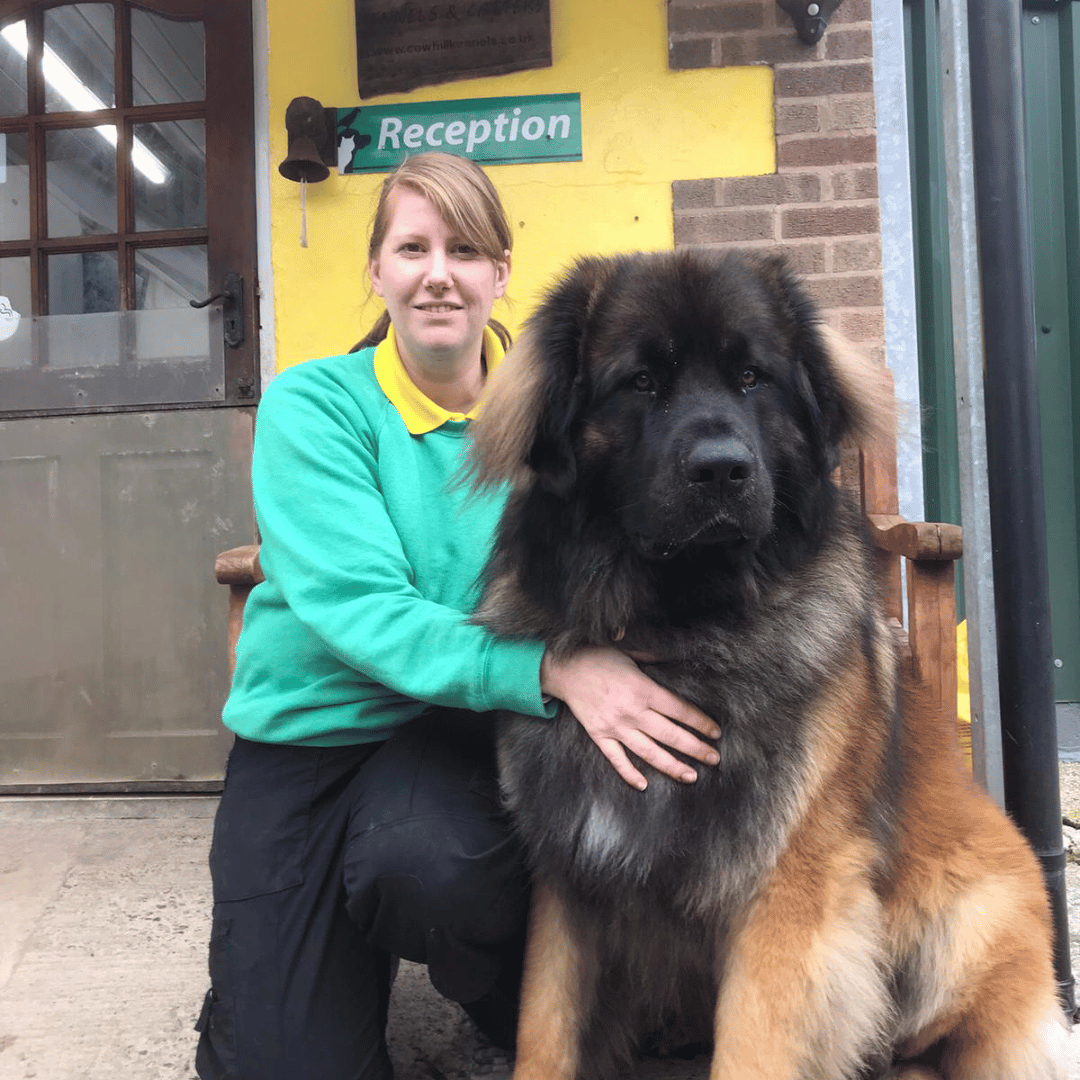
327 860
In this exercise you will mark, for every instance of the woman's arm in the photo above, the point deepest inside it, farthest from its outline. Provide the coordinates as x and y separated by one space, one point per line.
333 550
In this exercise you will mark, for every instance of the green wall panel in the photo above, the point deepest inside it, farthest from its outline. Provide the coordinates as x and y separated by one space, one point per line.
1051 42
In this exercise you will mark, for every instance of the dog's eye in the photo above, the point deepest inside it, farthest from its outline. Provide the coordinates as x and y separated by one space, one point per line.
749 378
643 382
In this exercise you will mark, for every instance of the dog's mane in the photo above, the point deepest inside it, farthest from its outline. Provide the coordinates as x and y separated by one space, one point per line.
867 392
506 425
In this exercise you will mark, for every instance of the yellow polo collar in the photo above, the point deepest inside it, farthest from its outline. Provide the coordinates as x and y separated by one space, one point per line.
419 412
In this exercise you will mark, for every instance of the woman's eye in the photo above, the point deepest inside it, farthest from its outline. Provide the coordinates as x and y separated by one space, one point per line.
749 378
466 251
643 382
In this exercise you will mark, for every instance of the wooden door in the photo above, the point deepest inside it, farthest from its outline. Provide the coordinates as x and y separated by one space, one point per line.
126 193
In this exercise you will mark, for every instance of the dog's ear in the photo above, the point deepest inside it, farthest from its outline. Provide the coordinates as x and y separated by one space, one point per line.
526 424
849 395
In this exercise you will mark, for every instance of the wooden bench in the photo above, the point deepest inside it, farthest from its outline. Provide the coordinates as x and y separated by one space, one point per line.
924 553
239 569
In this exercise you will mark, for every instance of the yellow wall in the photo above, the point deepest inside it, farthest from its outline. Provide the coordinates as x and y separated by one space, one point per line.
643 126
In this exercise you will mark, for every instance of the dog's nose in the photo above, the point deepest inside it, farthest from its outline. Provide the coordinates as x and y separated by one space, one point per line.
724 462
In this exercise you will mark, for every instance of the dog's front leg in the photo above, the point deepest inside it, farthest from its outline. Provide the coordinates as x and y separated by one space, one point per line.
802 994
556 992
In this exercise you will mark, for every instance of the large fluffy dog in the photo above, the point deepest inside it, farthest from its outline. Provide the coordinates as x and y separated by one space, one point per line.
836 899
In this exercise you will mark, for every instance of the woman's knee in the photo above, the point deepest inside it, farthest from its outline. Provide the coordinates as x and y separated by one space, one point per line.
460 877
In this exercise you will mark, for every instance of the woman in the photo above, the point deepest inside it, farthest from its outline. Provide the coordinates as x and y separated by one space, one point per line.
360 816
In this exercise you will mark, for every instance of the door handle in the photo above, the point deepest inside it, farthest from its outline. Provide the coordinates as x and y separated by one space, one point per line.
232 309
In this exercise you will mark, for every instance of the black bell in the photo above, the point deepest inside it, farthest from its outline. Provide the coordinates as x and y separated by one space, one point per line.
311 130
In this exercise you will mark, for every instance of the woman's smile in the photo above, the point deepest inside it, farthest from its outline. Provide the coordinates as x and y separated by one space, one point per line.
440 308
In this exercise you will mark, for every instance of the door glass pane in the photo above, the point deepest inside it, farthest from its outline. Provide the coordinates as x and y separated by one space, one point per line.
82 332
14 186
169 161
170 277
13 69
120 358
80 174
78 59
83 282
15 321
168 60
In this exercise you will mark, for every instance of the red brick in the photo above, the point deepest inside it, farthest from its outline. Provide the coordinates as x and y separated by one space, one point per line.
715 18
770 189
807 258
781 47
821 80
851 11
780 18
724 226
693 194
852 255
829 220
846 291
835 150
797 119
850 113
843 44
854 183
691 53
863 326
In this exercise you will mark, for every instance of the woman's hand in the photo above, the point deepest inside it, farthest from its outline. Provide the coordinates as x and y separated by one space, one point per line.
623 709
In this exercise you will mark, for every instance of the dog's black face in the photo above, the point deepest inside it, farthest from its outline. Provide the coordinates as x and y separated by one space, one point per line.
670 423
695 417
681 433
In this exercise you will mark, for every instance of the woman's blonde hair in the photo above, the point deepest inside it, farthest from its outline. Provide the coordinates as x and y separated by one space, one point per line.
465 199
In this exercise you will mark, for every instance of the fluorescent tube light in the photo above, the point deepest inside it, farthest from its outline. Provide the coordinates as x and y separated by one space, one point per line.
81 98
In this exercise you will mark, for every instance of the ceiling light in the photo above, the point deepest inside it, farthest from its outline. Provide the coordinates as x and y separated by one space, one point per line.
82 99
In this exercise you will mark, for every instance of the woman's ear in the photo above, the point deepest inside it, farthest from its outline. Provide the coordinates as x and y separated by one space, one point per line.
373 273
502 275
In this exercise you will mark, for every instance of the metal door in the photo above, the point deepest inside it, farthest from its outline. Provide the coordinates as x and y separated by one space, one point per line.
126 193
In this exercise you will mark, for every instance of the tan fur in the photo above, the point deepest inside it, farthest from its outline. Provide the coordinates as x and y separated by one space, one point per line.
803 994
969 911
552 986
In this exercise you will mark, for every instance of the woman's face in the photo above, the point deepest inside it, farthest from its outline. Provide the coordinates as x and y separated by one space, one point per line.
438 288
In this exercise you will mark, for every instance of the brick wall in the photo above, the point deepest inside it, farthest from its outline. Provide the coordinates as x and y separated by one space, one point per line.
821 204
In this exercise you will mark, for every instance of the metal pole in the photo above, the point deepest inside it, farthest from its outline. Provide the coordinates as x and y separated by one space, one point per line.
1014 454
970 405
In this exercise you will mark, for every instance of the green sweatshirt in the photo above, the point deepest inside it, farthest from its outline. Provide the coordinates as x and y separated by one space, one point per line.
372 563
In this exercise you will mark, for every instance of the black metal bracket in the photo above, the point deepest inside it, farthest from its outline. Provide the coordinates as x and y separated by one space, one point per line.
232 309
810 17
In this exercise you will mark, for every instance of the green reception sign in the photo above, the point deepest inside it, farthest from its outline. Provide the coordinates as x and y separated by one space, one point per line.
491 131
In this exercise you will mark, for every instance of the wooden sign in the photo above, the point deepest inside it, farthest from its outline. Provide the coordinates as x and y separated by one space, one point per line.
402 44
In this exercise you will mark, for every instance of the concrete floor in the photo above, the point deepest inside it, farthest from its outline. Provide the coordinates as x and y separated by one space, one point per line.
104 918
